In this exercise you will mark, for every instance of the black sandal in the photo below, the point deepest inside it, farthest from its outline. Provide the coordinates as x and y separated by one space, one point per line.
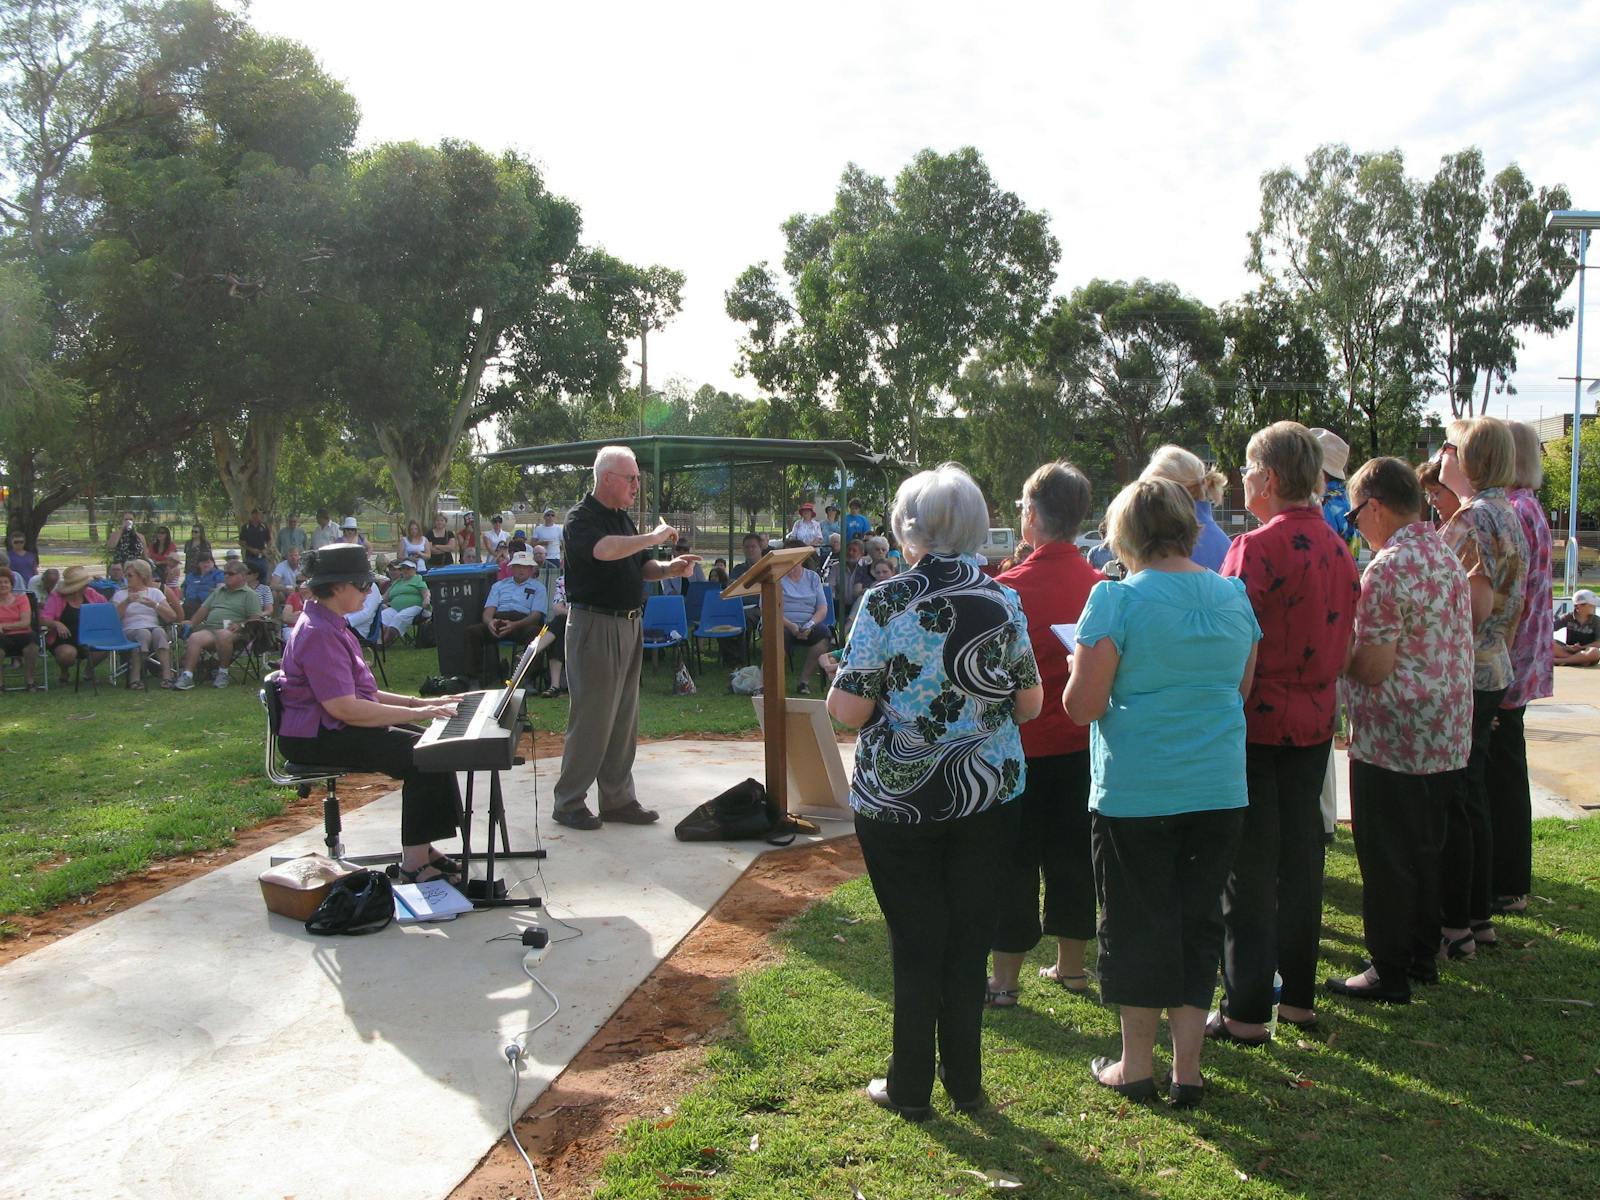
1456 949
416 876
1485 927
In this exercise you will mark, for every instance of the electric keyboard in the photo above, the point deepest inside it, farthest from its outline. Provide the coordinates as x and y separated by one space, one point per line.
473 740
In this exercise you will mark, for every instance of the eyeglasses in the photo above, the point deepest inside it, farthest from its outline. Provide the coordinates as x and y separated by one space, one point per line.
624 478
1450 446
1251 469
1356 512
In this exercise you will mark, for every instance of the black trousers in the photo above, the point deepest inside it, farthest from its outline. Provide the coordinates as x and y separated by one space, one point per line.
430 801
1273 903
1399 829
1159 881
1464 884
1052 838
935 884
1510 805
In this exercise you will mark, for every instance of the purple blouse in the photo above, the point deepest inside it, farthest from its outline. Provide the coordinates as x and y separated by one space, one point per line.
321 662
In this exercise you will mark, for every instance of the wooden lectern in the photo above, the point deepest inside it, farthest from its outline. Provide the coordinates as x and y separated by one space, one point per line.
762 578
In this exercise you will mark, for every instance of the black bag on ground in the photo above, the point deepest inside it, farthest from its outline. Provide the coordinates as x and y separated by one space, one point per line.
360 902
743 811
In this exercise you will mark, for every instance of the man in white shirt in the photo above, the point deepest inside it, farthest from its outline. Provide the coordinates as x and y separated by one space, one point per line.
284 579
549 533
326 532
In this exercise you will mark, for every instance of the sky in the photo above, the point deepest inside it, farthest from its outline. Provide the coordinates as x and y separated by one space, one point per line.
688 134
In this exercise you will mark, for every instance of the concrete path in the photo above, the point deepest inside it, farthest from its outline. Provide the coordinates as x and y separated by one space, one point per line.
198 1046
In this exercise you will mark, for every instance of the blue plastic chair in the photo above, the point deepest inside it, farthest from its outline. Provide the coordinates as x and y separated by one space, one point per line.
719 620
694 597
372 639
100 628
666 623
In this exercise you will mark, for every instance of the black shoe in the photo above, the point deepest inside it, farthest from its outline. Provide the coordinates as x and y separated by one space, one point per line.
1378 993
634 814
1142 1091
1425 973
1186 1095
576 818
975 1104
1217 1030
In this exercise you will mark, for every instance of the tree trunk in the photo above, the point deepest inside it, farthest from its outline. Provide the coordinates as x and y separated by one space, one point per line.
249 472
416 483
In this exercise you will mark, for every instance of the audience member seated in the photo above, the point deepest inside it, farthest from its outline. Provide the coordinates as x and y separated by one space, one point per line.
111 582
294 603
43 584
807 530
514 610
805 611
60 618
219 625
22 560
350 533
202 580
144 609
286 576
169 578
17 638
679 585
406 601
556 655
718 573
263 590
361 619
1582 645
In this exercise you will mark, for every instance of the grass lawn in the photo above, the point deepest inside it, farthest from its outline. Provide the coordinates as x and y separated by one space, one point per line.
93 788
1481 1089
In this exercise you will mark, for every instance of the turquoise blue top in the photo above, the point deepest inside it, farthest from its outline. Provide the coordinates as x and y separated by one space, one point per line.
1172 737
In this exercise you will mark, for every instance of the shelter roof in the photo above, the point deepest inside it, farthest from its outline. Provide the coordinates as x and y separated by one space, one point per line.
676 452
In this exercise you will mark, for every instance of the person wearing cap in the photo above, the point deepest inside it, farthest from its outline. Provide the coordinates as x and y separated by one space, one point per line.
326 532
607 562
59 618
494 537
1581 646
441 543
335 716
514 609
1335 500
548 531
218 624
406 600
807 530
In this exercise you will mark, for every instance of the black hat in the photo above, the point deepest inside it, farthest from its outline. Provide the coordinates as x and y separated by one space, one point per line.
339 562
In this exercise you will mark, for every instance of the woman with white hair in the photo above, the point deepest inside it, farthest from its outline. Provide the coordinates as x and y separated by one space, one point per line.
143 609
937 675
1205 488
1532 678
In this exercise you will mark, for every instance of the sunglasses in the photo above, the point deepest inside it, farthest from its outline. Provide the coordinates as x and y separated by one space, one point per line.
1450 446
1355 512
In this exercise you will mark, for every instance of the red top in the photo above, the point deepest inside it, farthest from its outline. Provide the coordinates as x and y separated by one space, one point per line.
1053 582
1304 587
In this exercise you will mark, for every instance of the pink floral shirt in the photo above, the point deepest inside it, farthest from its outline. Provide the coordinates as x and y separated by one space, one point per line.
1532 659
1418 721
1486 535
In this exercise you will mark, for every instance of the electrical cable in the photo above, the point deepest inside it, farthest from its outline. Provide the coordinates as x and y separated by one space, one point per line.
514 1053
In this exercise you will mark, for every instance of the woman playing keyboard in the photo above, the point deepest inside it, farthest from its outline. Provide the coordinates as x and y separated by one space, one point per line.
335 716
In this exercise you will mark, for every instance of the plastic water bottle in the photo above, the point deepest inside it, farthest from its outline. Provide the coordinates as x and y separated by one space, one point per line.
1277 994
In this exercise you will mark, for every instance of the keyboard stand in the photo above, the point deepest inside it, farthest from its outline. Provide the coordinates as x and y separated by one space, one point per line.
497 820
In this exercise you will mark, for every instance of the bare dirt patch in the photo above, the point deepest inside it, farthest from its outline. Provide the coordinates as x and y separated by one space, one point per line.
653 1047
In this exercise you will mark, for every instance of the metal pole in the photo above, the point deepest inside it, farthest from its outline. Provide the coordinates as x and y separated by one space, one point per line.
1577 426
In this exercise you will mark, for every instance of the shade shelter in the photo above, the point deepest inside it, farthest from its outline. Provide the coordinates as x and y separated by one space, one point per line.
666 454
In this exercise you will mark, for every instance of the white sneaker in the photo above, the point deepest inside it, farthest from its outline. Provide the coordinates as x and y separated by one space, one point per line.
220 679
185 681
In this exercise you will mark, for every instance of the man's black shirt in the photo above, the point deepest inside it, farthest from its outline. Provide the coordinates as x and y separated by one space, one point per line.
618 584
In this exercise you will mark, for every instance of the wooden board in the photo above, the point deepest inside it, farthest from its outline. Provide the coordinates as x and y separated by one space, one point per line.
818 784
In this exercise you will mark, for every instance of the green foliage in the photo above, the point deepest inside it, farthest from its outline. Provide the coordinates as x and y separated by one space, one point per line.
1276 369
1137 360
1476 1089
891 291
38 408
1341 241
1557 488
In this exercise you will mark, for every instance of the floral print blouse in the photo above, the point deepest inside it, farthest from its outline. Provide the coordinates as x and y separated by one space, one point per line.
1533 666
1417 721
942 649
1486 535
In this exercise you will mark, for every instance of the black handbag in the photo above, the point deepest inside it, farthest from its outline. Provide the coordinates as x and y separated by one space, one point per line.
743 811
360 902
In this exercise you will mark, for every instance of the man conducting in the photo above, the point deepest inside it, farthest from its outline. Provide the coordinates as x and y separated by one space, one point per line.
607 565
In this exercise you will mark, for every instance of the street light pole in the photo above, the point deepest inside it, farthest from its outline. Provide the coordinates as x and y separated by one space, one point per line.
1584 221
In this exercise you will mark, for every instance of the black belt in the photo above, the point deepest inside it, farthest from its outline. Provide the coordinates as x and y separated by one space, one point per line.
627 614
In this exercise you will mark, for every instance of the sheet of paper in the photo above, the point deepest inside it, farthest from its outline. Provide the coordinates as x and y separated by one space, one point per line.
1561 635
1068 635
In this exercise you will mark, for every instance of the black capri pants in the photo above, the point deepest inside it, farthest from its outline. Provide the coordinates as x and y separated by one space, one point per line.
1159 881
430 801
1052 839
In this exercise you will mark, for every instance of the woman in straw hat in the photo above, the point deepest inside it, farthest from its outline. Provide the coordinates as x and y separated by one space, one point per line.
60 618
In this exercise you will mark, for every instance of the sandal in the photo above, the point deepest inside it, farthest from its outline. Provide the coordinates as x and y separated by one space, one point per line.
1455 949
1483 933
1000 997
416 876
446 866
550 693
136 685
1082 989
168 684
1509 904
